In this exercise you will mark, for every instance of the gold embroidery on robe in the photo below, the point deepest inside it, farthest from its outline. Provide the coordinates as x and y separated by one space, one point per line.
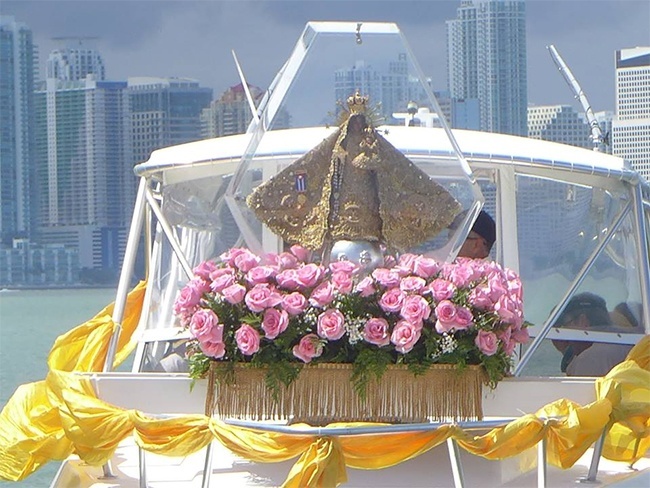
357 186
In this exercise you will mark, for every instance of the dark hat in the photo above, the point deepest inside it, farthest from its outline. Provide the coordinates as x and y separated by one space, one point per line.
593 306
485 227
585 301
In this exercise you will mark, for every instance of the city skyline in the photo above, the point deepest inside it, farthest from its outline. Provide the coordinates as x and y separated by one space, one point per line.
195 38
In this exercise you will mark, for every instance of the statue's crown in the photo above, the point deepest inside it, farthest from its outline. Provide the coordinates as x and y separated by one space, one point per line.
357 103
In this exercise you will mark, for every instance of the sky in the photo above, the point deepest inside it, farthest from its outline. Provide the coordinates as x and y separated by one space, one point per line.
194 39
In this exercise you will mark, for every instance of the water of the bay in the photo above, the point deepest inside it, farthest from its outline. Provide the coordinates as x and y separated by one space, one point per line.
30 321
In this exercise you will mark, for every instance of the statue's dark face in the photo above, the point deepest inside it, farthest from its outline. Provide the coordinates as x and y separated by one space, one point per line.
357 123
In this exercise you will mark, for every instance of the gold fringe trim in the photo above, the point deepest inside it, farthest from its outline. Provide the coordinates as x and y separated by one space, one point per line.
323 393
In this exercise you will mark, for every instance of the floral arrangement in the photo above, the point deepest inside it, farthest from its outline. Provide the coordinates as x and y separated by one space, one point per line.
279 311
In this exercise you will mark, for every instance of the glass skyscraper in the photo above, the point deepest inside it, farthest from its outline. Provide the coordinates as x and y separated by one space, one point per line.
18 71
486 55
83 156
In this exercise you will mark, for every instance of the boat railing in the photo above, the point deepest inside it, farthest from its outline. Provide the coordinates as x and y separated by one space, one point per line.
452 445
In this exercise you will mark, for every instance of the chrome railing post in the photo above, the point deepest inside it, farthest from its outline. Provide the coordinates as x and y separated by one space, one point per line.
142 468
541 463
456 466
207 468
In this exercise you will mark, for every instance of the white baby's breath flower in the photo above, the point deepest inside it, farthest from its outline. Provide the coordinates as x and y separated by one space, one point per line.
448 343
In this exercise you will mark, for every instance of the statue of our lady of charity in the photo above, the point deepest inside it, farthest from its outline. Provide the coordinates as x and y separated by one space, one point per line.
354 186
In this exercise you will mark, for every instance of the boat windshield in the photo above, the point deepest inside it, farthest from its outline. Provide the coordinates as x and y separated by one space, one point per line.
572 224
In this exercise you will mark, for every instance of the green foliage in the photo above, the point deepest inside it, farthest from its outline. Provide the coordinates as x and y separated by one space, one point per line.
370 363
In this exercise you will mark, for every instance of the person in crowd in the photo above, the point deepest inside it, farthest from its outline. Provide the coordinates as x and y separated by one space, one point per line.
627 315
480 239
588 312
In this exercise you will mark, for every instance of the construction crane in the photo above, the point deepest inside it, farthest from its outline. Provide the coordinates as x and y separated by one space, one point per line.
597 137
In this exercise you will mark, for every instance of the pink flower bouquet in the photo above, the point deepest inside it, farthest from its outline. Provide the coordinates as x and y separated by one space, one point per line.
279 312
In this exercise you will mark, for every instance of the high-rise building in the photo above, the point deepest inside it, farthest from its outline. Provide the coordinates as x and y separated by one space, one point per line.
558 123
75 61
18 73
231 113
83 155
631 125
389 88
486 57
165 112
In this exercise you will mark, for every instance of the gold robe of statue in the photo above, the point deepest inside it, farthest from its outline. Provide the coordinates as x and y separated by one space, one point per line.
354 186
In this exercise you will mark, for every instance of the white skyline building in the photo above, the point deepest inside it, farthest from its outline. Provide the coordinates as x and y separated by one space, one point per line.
631 126
558 123
75 61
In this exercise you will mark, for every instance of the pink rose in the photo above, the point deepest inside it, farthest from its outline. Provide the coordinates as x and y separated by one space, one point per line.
366 287
245 261
262 296
309 347
248 340
514 284
386 277
376 332
221 279
309 275
404 336
497 287
464 318
204 269
346 266
407 262
415 309
189 296
442 289
412 284
487 342
505 336
287 261
234 293
342 282
520 336
274 323
202 324
426 267
507 309
480 298
461 274
300 252
446 311
509 346
391 300
446 314
260 274
322 295
214 349
288 279
295 303
331 325
229 256
270 259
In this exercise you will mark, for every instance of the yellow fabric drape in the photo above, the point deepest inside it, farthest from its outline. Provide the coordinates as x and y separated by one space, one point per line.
74 419
31 430
96 428
627 386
